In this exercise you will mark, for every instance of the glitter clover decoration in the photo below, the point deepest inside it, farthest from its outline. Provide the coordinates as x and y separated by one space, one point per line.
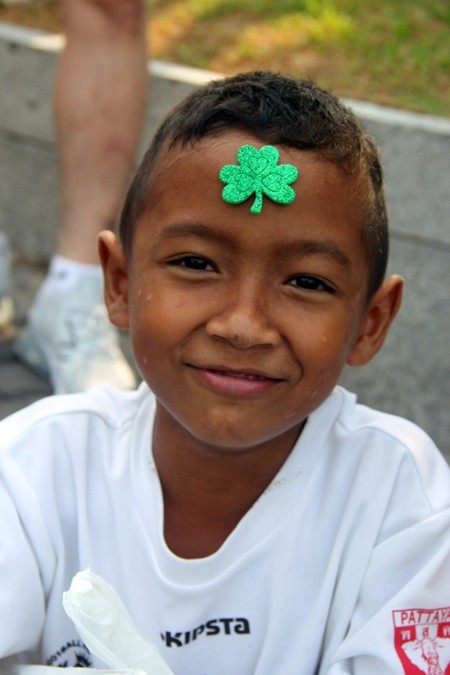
258 172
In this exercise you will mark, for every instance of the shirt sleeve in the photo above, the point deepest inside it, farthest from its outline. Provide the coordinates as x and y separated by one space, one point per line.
401 621
24 544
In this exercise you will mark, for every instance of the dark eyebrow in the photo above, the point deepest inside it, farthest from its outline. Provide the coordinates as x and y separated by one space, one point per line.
310 248
190 229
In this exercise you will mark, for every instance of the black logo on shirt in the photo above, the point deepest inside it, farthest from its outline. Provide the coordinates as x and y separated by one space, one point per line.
73 654
208 629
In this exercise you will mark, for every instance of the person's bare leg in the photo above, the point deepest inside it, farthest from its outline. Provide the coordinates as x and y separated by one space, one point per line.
99 103
100 97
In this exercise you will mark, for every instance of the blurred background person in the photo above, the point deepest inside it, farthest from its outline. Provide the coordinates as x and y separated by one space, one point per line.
99 104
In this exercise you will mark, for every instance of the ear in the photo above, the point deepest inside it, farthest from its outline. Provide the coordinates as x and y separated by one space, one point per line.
377 319
114 266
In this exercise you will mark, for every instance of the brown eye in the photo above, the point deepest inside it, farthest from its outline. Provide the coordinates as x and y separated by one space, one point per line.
310 283
192 262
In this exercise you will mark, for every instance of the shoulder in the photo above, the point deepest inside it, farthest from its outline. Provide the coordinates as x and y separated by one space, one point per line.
358 422
71 420
389 452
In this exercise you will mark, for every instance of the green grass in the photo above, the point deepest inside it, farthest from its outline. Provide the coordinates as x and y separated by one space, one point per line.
394 52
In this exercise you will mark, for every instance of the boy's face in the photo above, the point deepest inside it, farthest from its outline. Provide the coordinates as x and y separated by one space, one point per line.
241 323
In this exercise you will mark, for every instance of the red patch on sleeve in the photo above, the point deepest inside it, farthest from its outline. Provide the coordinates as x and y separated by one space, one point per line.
422 640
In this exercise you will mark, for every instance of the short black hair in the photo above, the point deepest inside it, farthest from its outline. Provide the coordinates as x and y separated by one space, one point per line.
278 110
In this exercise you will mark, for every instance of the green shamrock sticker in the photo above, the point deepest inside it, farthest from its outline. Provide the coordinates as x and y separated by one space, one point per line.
259 173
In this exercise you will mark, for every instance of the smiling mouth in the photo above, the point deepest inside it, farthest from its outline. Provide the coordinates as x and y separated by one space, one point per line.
242 375
235 382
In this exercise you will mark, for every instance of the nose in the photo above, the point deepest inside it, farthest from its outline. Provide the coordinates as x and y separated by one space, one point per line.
242 318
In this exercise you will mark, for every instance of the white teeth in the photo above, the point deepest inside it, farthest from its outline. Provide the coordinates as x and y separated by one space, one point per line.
244 376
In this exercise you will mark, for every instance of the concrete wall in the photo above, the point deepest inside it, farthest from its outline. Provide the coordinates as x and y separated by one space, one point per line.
411 376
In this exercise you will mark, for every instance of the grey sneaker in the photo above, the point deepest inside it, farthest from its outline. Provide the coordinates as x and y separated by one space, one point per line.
7 308
70 340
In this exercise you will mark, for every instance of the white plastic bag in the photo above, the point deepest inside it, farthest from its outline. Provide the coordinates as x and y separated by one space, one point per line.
105 626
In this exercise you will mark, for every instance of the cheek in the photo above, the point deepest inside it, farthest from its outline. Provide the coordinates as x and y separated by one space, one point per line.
181 305
322 348
158 324
322 336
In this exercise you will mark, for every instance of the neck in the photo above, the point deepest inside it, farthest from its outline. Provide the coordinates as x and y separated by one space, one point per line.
206 489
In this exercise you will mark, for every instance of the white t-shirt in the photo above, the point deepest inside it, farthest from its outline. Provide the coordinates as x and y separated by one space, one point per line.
341 566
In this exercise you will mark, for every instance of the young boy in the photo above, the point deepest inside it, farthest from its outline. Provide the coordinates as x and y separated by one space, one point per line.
253 518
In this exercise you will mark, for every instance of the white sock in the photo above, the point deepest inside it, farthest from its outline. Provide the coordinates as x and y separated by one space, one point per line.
63 273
